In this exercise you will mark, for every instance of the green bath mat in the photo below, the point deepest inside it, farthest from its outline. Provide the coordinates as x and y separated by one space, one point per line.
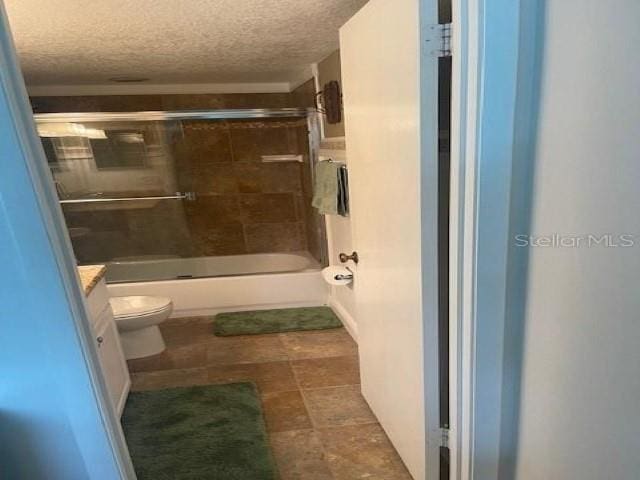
198 433
274 321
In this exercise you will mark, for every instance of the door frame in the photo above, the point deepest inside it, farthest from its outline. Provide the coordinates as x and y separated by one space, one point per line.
485 79
490 66
27 142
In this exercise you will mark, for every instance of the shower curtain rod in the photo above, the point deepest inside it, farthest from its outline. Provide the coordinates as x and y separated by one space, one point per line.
173 115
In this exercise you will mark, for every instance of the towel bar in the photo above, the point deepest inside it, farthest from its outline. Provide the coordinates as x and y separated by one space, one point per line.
177 196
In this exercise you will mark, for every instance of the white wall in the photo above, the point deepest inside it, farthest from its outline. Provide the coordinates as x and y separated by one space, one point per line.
339 239
580 384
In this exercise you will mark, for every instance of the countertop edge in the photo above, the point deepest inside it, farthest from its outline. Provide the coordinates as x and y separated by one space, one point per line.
90 276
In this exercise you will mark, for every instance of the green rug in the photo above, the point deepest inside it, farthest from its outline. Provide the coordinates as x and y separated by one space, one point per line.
274 321
198 433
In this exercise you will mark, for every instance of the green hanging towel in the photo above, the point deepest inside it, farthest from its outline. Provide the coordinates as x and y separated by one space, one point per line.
325 192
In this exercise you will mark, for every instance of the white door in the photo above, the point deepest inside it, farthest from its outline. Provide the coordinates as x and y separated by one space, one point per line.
390 99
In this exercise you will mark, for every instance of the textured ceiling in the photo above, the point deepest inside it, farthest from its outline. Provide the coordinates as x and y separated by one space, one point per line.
173 41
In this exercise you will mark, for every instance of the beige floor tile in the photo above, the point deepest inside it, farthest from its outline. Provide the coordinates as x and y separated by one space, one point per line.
284 411
326 372
245 349
346 444
362 451
269 376
186 356
184 377
319 343
187 333
299 455
338 406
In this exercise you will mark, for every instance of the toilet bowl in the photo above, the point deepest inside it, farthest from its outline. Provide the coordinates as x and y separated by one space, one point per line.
137 319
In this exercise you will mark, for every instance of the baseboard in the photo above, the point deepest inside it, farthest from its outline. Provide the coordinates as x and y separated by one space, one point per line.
348 321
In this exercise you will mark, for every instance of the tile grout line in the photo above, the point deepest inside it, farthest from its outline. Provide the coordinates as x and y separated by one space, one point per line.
210 365
316 429
325 455
206 364
330 386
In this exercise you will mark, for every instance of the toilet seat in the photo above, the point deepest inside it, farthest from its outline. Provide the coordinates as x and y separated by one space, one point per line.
138 306
140 311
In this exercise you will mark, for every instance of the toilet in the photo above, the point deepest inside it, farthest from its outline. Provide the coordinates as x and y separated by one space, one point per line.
137 318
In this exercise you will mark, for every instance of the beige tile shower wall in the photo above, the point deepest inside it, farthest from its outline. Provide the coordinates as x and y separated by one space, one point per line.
242 205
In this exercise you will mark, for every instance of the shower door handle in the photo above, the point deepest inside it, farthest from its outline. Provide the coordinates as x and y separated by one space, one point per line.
190 196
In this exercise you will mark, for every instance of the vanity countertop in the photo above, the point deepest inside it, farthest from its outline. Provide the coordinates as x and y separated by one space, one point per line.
90 275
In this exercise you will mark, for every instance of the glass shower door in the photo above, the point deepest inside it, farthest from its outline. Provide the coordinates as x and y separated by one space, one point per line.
119 188
184 198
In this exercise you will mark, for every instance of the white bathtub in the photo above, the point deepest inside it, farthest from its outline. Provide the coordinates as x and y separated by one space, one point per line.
208 285
171 268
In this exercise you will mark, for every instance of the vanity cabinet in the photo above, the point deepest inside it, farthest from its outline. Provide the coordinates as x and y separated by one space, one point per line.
112 361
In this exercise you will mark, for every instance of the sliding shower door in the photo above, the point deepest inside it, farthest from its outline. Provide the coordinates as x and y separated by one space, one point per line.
119 187
185 197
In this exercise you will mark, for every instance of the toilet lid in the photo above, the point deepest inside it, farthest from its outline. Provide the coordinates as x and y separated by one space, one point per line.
137 305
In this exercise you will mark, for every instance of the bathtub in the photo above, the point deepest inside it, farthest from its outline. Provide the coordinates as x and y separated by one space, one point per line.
208 285
171 268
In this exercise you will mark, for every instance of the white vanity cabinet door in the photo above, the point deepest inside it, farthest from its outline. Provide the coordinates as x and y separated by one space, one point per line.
97 302
112 361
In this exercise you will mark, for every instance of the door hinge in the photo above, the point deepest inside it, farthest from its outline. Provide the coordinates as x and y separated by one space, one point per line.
444 437
438 40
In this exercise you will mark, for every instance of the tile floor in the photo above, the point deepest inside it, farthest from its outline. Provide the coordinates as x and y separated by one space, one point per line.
319 425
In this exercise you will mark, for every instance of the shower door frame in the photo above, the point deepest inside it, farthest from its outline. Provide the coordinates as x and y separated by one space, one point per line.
159 115
310 114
